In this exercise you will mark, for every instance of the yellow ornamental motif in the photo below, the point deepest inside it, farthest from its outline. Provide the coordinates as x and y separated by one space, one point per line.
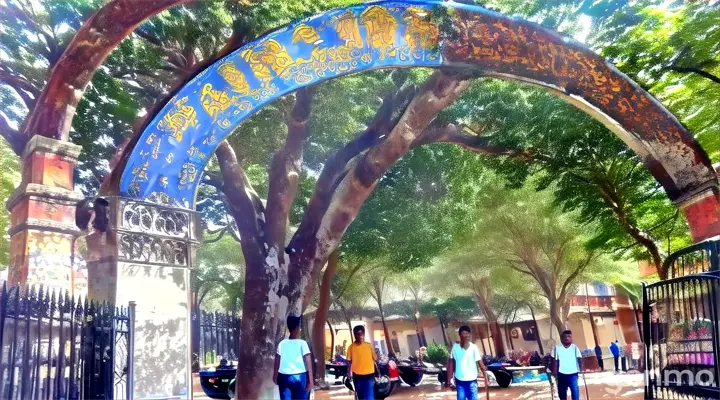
306 34
267 61
348 30
420 33
179 119
188 174
380 26
234 77
164 182
140 172
215 101
169 158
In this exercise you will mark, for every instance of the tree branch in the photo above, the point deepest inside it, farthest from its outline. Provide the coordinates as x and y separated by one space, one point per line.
12 136
694 70
437 93
335 168
285 170
469 140
243 202
22 87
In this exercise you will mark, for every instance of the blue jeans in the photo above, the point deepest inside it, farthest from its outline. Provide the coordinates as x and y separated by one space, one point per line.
292 387
466 390
364 386
566 382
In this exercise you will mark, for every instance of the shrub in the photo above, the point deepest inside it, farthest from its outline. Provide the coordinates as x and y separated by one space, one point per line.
437 354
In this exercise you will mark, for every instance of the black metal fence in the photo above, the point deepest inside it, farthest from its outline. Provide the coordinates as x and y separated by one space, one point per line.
216 336
696 259
682 338
55 347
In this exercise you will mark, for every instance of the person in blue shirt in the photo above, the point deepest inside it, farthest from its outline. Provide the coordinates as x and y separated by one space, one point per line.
615 350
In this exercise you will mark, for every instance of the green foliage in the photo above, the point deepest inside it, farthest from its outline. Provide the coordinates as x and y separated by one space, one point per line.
437 354
9 180
456 308
220 273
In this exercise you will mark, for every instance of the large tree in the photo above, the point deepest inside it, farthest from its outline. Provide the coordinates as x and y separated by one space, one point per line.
526 233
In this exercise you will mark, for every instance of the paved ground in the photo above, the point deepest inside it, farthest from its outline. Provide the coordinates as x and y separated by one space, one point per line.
600 386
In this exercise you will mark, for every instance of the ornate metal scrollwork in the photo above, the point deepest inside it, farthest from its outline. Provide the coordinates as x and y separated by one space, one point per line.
153 234
156 220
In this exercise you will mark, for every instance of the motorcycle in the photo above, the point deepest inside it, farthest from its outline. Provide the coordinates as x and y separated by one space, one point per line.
386 379
496 372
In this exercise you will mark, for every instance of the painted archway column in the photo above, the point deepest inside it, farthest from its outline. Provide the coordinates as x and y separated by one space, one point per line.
702 211
42 208
145 256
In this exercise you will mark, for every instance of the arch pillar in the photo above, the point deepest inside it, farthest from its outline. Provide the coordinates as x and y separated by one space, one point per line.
42 214
145 256
702 211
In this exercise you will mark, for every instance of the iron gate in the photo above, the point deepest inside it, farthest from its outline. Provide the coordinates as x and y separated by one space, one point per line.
682 336
55 347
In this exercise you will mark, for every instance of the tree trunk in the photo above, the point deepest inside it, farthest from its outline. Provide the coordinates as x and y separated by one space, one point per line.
493 328
332 341
418 332
593 326
537 331
388 339
445 338
321 315
556 319
96 38
509 336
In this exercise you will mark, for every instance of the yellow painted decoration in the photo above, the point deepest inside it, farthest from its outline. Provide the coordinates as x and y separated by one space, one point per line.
380 26
234 77
267 60
215 101
179 119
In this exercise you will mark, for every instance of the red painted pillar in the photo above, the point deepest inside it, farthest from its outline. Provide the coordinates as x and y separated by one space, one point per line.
703 214
42 214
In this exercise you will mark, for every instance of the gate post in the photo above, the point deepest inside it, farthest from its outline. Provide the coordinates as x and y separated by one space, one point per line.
42 213
702 211
145 258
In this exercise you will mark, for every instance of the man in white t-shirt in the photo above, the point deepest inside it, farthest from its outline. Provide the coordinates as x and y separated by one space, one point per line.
566 366
464 366
293 364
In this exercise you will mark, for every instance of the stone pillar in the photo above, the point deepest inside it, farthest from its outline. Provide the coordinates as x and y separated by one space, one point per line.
145 257
702 211
42 214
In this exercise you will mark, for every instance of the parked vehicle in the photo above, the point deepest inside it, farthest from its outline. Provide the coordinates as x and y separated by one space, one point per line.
497 373
219 382
386 381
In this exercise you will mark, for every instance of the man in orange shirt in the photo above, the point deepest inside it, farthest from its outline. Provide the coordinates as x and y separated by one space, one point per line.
362 359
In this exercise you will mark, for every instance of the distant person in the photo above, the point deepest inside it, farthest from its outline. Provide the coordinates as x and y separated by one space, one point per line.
293 364
566 366
598 354
615 350
464 367
362 357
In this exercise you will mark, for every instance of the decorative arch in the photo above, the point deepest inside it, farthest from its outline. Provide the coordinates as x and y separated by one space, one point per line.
167 163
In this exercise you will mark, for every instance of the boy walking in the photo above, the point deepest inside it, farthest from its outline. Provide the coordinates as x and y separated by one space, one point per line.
464 367
566 366
362 359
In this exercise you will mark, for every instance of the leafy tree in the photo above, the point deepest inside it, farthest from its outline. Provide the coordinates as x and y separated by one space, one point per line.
456 308
534 239
9 178
590 170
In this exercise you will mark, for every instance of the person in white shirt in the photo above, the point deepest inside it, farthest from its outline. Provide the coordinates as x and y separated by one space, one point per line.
464 366
566 366
293 364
